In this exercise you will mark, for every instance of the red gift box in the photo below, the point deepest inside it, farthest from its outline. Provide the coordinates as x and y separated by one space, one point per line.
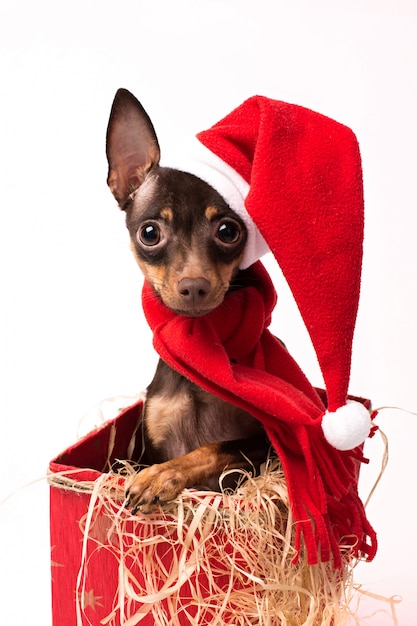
176 566
88 548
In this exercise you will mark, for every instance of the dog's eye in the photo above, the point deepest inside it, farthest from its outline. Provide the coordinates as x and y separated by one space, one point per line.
149 234
229 231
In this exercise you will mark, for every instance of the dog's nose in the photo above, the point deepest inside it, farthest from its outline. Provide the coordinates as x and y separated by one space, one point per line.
193 290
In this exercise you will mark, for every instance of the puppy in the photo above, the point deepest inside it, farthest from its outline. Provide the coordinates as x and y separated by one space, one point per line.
188 244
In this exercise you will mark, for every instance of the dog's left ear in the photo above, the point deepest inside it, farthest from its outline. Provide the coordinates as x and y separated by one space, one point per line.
132 146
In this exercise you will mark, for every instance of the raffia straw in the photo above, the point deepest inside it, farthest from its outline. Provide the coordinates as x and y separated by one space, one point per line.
244 538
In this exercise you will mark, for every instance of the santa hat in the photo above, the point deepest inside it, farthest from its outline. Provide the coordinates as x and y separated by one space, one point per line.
295 178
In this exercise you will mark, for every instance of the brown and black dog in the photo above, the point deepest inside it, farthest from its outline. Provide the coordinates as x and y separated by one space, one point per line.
188 243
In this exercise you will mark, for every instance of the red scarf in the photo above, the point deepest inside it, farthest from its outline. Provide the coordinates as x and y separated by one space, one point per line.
231 353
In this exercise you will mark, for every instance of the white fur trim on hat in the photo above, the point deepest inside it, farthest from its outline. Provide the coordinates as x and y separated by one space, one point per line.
348 426
196 159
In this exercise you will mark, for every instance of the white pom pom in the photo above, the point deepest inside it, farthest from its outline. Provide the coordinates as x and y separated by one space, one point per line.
348 426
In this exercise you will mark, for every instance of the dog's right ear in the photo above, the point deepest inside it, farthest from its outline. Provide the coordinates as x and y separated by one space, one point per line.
131 146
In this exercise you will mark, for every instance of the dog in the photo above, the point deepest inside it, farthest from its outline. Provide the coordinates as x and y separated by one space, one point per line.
188 244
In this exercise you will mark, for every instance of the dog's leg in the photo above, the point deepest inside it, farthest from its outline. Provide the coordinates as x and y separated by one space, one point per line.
163 482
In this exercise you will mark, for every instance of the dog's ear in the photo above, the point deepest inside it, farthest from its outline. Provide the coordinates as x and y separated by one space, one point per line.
131 146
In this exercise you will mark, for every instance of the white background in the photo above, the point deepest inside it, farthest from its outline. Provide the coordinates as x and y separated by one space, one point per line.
71 327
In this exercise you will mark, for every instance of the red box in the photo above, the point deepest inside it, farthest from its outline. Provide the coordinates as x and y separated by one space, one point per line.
86 586
109 567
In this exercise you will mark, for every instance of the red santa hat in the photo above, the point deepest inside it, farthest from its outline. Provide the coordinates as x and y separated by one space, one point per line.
295 178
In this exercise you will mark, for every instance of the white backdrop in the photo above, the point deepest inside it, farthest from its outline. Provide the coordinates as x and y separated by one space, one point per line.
71 326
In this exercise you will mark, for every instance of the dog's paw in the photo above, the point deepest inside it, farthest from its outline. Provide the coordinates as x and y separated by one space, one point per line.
153 485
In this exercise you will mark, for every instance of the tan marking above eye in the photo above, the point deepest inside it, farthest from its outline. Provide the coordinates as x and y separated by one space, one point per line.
211 212
167 214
